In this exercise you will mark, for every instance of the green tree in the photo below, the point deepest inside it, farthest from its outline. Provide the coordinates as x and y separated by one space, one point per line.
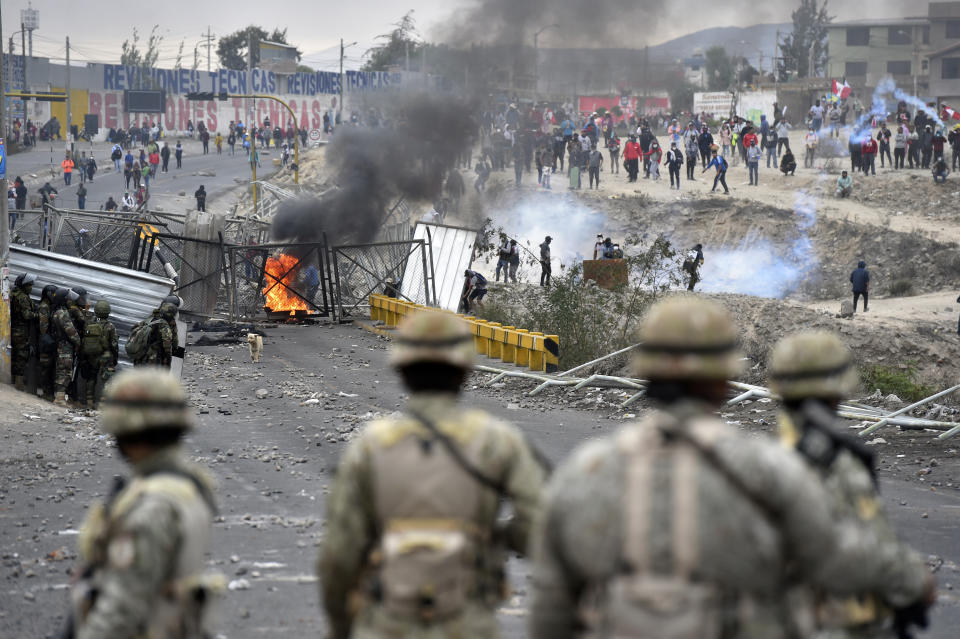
681 94
720 69
396 47
807 42
144 60
232 49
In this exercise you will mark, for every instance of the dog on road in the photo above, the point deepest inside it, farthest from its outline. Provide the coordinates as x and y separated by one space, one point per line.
255 342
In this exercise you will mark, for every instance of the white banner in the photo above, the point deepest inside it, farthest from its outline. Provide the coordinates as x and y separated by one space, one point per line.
753 104
716 105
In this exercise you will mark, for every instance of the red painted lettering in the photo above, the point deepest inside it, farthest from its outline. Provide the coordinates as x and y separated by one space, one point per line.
212 115
110 110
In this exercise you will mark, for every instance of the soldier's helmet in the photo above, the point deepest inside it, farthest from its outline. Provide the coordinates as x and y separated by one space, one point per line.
686 337
168 311
48 291
25 280
432 336
81 292
142 399
172 299
102 309
814 364
61 296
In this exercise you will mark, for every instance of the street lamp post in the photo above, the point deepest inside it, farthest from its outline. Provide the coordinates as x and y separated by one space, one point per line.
343 47
536 56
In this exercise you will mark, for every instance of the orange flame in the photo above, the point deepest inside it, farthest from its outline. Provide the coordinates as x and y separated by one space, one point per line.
280 274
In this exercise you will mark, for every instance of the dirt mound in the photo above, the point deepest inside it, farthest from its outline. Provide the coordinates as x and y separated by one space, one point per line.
931 348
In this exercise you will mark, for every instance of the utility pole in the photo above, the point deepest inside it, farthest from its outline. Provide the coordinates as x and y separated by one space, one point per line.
209 40
69 112
340 101
916 58
23 54
776 71
4 250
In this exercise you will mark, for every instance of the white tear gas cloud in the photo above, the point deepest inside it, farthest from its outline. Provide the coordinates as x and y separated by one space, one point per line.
572 225
887 89
374 166
758 267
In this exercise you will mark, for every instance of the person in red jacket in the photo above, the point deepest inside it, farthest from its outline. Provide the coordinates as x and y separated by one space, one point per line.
868 156
750 138
631 158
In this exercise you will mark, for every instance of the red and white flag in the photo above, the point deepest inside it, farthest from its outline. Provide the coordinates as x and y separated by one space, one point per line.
841 89
953 115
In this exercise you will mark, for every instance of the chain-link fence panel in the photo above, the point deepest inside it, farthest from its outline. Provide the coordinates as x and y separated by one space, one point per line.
280 280
375 268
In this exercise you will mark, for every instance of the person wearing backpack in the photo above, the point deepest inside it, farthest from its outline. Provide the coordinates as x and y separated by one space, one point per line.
414 506
99 351
674 161
475 287
151 341
720 163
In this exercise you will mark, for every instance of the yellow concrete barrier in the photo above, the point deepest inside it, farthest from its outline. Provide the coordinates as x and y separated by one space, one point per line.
519 346
522 355
536 353
479 338
551 347
508 348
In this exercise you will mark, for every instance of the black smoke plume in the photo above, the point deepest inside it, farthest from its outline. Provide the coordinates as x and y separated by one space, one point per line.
373 167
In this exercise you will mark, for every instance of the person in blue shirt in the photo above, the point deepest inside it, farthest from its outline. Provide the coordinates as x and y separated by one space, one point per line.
567 127
720 163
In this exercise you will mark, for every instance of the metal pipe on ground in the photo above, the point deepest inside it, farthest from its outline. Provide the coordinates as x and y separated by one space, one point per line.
883 422
596 361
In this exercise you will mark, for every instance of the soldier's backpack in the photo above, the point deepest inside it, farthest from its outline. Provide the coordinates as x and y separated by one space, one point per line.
95 341
141 338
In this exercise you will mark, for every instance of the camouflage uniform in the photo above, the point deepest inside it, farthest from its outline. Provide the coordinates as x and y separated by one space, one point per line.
679 526
144 548
160 350
99 368
47 348
812 371
22 315
68 341
413 547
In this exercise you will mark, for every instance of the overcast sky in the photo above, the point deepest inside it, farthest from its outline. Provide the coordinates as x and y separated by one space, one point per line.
98 27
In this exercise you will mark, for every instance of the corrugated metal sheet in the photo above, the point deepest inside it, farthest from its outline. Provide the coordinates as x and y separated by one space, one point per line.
132 294
452 248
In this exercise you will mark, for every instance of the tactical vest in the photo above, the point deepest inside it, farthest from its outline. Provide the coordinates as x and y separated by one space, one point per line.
95 340
663 591
181 609
431 548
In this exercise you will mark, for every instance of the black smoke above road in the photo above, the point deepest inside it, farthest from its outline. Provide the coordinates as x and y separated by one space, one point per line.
373 167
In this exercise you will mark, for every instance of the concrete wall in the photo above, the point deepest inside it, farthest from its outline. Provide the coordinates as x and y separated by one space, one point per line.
876 55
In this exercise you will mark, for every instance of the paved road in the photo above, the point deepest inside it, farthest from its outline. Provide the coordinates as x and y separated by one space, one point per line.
274 459
44 163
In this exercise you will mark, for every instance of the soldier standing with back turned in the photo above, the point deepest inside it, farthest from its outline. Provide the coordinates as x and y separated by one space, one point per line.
68 342
143 550
414 547
813 372
679 526
23 314
47 347
99 351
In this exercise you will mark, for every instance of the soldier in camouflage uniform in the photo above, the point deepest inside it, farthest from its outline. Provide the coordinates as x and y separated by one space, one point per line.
23 314
99 351
161 347
143 549
79 313
68 341
681 527
47 347
813 372
413 546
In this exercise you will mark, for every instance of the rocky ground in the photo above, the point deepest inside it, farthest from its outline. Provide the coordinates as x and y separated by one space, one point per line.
271 435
